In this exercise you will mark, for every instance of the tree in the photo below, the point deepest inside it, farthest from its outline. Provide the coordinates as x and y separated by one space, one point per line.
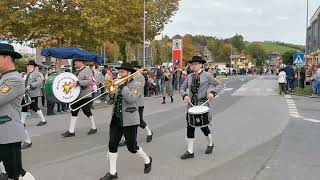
257 53
237 41
287 57
188 49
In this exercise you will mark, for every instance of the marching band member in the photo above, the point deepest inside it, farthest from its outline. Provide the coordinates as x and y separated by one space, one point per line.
12 89
125 121
140 101
201 86
33 83
84 77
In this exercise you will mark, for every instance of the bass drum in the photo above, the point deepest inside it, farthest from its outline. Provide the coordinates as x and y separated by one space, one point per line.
57 88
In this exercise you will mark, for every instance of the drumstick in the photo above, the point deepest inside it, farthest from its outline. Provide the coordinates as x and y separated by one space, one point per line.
191 103
204 103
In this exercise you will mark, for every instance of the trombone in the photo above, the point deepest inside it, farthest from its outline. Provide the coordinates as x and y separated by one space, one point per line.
111 87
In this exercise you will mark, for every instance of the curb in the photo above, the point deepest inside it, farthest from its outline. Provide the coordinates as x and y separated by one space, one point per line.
302 95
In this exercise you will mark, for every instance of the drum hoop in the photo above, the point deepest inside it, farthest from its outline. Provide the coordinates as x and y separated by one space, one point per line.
207 109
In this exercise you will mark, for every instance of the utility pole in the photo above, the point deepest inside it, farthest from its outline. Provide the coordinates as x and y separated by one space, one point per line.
144 33
307 24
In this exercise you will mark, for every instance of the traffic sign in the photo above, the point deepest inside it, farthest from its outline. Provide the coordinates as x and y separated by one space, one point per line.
298 58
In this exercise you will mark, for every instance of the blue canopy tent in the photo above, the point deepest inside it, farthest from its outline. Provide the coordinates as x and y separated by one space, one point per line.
72 53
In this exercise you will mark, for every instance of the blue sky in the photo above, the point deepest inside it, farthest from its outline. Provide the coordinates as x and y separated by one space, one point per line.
256 20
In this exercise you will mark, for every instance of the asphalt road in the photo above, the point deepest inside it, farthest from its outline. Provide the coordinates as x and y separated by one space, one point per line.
253 131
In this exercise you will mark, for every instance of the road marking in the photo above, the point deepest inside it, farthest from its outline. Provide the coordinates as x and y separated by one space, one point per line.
311 120
293 111
228 89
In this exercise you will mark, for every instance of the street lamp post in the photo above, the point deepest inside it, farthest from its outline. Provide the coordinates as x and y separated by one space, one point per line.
144 33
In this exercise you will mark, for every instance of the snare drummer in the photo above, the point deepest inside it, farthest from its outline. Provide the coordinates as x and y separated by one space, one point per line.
201 86
84 77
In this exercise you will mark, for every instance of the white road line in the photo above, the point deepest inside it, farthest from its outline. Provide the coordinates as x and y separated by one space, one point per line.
293 111
311 120
228 89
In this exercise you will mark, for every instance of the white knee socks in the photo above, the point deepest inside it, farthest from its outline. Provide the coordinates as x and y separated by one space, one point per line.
2 170
73 123
27 176
190 144
23 117
143 155
147 129
40 114
28 138
113 162
93 124
209 138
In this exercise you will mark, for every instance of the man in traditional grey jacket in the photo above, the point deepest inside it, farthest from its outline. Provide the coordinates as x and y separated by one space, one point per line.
197 89
84 75
11 128
125 121
33 83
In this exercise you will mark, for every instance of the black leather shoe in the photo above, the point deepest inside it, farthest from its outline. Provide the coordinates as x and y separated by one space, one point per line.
209 149
163 102
92 131
109 176
4 176
187 155
147 167
42 123
68 134
149 138
26 145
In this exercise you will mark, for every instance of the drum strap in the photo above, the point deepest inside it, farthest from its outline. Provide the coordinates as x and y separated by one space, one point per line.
27 78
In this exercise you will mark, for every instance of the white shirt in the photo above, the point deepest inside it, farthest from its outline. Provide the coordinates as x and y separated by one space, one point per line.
282 77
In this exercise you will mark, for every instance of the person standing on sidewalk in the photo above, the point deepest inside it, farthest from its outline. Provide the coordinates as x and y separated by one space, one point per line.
12 89
125 121
282 80
167 85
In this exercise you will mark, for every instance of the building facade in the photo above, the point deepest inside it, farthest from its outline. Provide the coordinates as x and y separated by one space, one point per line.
313 39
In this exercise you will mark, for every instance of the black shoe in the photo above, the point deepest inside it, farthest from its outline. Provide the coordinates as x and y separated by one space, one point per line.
147 167
171 100
42 123
92 131
149 138
68 134
58 110
4 176
50 114
109 176
187 155
163 102
209 149
122 143
26 145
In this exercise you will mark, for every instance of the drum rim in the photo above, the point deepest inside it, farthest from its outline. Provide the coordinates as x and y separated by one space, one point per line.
208 110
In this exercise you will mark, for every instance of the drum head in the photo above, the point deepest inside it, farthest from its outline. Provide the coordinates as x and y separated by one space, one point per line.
198 110
62 89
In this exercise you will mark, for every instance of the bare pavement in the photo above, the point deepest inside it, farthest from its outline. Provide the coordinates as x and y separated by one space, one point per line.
257 133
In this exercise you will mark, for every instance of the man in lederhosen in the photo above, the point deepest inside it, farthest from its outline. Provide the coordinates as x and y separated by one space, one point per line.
84 75
201 86
33 83
125 121
12 89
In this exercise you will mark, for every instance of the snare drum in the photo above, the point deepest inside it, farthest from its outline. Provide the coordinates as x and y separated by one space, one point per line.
199 116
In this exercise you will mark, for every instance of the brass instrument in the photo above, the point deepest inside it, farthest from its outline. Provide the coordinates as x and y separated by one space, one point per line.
111 87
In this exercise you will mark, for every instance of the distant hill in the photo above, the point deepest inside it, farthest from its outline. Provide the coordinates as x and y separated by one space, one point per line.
280 47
